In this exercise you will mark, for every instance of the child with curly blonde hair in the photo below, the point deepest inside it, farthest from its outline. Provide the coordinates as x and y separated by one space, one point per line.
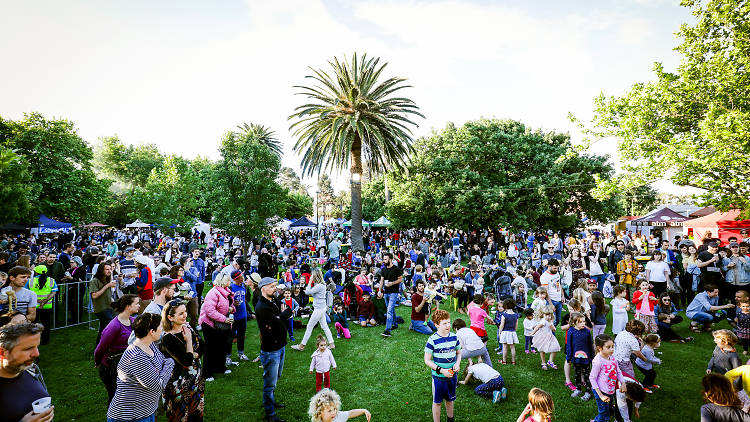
325 406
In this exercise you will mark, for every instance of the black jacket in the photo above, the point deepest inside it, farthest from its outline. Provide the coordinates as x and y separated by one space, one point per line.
272 324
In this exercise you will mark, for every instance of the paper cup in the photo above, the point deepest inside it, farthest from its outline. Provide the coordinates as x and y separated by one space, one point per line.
41 405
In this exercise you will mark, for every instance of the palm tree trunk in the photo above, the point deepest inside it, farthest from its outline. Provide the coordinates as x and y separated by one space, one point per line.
356 187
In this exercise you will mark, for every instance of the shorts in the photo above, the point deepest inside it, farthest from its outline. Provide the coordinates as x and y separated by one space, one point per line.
363 319
443 389
480 332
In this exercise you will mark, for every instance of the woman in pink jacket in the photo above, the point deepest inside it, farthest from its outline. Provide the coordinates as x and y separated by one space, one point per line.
216 318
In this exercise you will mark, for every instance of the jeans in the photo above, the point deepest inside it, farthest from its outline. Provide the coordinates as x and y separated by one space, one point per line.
273 365
605 409
558 311
151 418
390 300
105 317
702 318
599 281
420 327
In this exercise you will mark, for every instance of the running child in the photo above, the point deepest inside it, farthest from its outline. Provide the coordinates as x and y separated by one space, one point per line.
646 366
442 354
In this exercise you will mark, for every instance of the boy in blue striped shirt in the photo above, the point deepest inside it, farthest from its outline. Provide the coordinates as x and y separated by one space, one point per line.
442 354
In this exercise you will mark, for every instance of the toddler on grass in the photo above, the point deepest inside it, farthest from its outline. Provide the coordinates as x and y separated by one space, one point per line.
321 363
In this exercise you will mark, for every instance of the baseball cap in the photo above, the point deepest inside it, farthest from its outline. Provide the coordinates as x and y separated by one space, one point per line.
236 274
163 282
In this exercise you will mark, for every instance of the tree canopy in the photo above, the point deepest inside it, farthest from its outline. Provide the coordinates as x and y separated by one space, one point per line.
692 125
498 173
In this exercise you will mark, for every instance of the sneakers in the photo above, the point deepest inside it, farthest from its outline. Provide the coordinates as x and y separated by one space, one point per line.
338 335
243 357
227 372
230 362
648 390
386 333
586 397
527 352
655 387
209 379
498 395
570 385
576 393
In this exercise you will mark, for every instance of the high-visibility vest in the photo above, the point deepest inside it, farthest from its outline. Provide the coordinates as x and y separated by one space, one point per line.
43 293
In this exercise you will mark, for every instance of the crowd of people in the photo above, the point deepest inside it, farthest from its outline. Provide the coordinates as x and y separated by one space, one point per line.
161 337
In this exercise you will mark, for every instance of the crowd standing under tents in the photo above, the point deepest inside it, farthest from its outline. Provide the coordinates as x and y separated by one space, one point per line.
161 337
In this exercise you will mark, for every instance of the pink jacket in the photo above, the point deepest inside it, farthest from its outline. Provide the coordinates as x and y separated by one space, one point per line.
322 362
216 306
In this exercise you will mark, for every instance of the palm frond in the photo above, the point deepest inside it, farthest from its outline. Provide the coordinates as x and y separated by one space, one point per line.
263 135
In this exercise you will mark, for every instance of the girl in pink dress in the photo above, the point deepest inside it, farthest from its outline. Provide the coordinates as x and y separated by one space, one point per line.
540 408
544 339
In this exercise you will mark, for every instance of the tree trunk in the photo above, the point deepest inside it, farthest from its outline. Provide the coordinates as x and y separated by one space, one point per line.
387 191
356 187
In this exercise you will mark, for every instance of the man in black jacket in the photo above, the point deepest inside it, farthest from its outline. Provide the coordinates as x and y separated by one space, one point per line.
271 319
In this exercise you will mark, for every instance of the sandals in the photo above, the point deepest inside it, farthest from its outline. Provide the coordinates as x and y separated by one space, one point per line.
512 362
502 362
551 365
544 366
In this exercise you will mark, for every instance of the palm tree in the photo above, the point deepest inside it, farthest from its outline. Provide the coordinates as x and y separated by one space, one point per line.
264 135
352 116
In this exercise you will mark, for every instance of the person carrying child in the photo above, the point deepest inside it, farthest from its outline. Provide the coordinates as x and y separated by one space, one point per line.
506 330
579 352
321 363
442 354
492 386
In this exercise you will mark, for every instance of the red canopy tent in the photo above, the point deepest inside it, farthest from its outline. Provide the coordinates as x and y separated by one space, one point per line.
722 225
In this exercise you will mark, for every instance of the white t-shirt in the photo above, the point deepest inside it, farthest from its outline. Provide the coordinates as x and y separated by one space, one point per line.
528 326
553 285
657 269
468 339
483 371
625 344
341 416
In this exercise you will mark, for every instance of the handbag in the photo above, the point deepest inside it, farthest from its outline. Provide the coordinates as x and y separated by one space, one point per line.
222 326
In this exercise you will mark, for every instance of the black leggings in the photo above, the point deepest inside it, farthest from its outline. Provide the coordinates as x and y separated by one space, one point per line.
649 376
217 342
238 332
582 381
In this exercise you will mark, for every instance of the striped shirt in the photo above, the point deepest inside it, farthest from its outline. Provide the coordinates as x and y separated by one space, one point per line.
140 381
443 350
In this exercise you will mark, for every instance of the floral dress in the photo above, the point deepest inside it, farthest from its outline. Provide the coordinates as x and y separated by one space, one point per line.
183 396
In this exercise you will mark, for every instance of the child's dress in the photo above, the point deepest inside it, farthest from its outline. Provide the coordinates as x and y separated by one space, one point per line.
508 335
544 339
619 314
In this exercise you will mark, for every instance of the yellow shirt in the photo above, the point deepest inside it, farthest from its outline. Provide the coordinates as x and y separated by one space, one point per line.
740 371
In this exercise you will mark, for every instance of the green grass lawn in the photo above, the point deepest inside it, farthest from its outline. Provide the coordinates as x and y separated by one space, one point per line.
386 376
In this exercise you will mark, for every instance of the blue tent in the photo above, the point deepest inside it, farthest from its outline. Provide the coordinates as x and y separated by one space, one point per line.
48 225
302 222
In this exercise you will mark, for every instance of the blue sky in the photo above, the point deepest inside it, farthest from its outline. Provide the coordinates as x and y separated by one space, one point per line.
181 73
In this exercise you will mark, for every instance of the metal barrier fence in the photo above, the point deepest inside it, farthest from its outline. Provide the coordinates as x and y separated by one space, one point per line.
73 306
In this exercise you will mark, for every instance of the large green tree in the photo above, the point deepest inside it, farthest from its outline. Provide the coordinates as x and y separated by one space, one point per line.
498 173
692 125
243 192
127 163
352 115
297 205
170 196
15 196
62 181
